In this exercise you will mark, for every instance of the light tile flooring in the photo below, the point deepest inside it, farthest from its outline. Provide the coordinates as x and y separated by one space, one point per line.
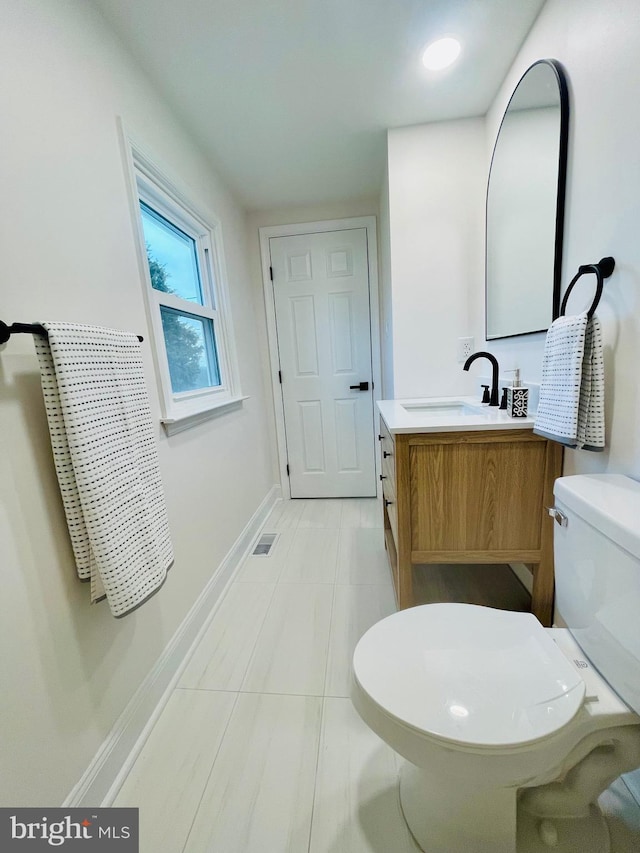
259 749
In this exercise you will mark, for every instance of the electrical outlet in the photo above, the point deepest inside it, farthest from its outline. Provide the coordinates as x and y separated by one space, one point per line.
465 348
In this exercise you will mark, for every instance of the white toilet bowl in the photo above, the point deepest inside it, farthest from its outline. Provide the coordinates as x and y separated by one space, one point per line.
508 731
511 730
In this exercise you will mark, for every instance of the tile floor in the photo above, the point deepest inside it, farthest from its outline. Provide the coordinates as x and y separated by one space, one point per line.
259 749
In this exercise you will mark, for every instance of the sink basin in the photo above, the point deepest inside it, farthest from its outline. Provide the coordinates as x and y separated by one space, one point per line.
455 408
446 414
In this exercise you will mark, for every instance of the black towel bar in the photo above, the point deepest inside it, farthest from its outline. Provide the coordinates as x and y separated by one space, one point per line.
27 329
601 270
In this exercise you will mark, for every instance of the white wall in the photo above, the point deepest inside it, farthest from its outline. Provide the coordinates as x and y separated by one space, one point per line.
67 249
436 199
386 293
599 45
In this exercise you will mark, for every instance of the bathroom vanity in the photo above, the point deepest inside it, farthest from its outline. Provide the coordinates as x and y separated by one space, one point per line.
463 483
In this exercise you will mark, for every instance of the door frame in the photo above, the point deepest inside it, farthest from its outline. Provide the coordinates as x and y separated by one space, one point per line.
266 233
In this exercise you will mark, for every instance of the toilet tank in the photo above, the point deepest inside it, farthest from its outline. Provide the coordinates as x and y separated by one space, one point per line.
597 568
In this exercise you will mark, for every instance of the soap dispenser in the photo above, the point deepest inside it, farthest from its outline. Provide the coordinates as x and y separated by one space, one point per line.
517 397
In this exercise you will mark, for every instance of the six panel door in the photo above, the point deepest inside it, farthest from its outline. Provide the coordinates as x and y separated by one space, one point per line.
321 295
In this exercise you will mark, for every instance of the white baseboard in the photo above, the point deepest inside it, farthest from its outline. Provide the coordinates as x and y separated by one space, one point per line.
523 574
632 781
109 768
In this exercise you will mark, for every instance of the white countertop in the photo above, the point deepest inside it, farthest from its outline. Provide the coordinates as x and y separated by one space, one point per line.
446 414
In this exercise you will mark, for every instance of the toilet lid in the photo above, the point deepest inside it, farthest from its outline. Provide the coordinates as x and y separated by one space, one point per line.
468 674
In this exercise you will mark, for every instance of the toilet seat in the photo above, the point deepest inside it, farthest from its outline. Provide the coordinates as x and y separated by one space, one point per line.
469 675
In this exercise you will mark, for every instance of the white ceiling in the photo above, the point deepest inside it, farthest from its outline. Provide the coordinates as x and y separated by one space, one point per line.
290 99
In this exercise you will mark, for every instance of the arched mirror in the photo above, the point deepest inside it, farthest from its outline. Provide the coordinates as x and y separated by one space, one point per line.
525 205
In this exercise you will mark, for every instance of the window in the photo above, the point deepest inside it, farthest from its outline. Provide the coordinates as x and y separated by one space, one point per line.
187 301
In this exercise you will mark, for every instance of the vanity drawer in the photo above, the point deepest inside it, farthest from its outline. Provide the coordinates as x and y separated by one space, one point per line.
391 508
388 456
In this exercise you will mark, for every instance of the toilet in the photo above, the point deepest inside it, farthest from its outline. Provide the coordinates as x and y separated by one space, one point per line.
510 731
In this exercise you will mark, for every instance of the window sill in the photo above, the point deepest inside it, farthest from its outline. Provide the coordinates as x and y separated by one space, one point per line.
183 422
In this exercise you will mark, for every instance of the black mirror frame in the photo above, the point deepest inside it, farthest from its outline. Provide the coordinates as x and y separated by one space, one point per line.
563 90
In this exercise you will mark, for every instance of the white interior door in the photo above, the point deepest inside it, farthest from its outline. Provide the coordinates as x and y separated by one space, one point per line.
321 297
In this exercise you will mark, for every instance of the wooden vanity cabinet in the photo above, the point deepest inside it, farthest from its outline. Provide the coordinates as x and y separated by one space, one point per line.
470 497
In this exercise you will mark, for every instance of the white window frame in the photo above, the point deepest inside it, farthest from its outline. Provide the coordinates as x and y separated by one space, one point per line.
187 408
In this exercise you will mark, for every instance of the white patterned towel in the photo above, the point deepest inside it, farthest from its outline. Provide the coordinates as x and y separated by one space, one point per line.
571 407
106 460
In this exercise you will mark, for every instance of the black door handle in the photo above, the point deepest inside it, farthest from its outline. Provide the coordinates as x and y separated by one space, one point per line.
363 386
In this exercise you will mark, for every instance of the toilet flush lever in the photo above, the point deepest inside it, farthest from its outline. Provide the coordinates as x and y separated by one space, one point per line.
559 516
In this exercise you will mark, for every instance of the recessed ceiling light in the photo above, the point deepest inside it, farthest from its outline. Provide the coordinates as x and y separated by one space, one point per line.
441 53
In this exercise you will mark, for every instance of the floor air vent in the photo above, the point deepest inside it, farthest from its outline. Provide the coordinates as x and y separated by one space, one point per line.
264 545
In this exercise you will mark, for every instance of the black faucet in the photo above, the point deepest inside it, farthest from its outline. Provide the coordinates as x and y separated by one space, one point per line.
493 401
